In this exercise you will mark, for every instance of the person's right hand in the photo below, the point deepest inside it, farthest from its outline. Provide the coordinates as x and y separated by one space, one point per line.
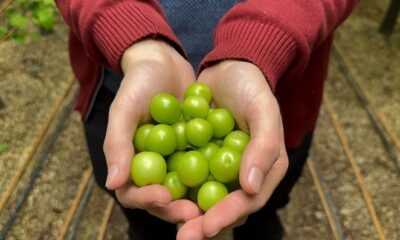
150 67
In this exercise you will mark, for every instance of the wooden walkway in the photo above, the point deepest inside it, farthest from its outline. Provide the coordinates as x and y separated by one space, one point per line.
350 187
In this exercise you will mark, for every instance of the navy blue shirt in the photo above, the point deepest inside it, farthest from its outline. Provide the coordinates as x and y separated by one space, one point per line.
193 22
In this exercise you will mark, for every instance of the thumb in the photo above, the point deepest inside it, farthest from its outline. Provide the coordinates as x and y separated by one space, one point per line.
264 147
118 147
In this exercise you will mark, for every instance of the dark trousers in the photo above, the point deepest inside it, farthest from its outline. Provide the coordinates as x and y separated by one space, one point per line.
263 224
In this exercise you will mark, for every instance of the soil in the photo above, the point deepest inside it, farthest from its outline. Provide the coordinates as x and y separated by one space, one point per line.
32 76
375 59
375 164
47 206
36 75
92 216
304 217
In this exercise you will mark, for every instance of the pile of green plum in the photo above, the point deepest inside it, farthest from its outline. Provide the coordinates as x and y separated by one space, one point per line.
191 149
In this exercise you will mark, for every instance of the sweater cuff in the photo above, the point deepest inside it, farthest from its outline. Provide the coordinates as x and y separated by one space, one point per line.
126 22
265 45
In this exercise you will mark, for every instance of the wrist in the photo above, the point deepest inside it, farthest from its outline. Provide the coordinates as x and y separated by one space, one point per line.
235 71
146 50
236 66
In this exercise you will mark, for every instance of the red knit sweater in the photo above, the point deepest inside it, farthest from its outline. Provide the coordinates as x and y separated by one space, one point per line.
289 40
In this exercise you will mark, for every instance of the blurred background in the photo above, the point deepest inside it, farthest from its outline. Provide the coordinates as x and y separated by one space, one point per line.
350 187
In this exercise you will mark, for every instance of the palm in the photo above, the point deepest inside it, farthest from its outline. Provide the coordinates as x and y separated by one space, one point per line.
242 88
146 79
241 93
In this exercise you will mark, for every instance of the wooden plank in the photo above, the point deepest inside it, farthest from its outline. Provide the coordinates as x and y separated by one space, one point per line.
326 201
106 218
75 203
355 168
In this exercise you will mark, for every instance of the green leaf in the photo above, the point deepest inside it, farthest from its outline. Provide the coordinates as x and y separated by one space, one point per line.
34 36
18 21
45 18
3 31
48 2
19 38
3 147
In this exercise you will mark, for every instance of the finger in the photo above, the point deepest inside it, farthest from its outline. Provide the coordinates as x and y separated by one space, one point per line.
238 205
118 147
264 146
234 207
239 222
191 230
131 196
257 110
227 232
176 211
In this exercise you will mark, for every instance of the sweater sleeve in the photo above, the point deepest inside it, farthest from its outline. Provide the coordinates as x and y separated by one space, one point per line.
277 36
107 28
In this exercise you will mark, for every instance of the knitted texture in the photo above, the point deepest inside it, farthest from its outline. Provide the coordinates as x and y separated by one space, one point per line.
287 39
277 36
194 22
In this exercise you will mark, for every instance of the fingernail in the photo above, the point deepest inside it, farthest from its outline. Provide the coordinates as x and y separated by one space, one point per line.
158 204
112 174
212 235
255 178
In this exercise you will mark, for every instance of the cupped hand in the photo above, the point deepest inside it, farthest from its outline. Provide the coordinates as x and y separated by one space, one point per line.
150 67
242 88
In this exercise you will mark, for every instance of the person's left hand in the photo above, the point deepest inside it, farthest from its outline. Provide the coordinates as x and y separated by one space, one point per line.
242 88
